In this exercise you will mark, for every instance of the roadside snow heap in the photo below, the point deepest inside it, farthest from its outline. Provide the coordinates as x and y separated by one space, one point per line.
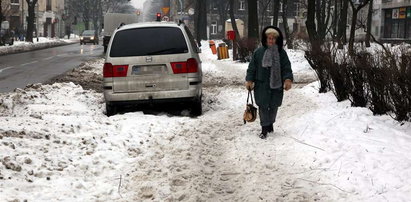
56 144
19 47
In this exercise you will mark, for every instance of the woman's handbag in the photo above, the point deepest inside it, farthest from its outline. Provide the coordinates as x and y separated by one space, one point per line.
250 113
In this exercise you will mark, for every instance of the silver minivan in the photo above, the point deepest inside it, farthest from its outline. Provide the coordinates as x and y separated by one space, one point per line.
152 63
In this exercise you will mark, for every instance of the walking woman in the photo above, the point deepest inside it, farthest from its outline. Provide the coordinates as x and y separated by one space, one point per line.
269 74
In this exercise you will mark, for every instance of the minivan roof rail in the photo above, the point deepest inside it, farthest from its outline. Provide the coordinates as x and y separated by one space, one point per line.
180 22
121 24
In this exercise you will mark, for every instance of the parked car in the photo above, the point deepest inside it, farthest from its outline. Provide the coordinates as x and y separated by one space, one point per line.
152 63
89 36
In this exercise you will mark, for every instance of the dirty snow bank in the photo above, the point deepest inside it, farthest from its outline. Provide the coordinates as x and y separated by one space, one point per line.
43 42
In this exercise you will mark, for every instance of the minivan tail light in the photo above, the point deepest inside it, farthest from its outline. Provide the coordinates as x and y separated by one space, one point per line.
189 66
110 70
192 65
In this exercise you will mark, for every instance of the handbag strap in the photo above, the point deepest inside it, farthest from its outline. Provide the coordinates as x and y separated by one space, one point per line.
248 97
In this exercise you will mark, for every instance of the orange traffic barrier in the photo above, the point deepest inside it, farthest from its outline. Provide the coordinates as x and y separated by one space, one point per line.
212 46
222 51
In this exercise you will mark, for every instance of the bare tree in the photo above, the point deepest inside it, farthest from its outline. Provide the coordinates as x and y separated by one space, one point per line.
253 33
342 24
355 10
1 11
31 4
287 33
200 20
222 12
318 18
232 18
264 4
276 10
369 21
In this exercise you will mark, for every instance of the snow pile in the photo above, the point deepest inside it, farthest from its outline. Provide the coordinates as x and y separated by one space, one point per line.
20 46
57 144
235 71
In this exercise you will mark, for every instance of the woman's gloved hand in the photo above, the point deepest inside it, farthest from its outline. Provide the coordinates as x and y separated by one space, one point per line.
249 85
287 84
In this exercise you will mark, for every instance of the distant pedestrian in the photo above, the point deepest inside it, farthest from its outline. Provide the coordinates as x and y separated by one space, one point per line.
269 74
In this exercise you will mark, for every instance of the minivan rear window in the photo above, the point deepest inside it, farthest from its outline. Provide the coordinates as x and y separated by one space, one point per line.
148 41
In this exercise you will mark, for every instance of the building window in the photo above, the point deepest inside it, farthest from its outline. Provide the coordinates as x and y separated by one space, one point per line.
242 5
15 2
269 6
214 28
394 30
48 5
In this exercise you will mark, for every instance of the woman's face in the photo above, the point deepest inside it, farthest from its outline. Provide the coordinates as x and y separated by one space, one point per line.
271 40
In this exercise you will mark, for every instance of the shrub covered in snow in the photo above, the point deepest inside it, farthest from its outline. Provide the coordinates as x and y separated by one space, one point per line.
379 79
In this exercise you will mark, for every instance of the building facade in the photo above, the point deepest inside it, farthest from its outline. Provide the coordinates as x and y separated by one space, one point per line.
219 21
48 22
395 20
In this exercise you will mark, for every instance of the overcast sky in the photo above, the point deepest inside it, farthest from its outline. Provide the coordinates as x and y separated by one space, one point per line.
138 3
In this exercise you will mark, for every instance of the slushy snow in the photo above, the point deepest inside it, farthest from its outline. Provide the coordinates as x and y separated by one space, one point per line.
56 144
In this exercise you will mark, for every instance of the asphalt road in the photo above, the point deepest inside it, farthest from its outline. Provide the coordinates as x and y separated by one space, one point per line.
19 70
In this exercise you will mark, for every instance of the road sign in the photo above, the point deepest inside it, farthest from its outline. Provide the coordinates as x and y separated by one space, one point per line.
166 10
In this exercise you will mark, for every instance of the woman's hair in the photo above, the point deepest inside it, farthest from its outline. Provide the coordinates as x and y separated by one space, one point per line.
273 32
279 38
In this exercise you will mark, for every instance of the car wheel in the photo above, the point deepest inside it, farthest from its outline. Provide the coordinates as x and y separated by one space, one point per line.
111 109
196 108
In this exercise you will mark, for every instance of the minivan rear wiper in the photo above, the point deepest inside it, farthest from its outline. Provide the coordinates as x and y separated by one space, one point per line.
164 50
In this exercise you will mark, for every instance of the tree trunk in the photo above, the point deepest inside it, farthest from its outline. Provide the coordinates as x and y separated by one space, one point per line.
86 14
201 21
276 10
1 12
369 21
352 31
223 15
354 23
286 28
342 25
30 20
252 24
310 24
232 18
335 20
237 33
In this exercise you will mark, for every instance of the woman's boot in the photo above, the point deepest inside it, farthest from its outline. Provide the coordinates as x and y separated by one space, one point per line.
264 131
270 128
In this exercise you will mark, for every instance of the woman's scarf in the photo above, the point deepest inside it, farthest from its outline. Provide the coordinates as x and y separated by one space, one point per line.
271 61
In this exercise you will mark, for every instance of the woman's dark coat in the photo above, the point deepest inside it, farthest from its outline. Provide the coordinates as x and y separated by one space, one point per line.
264 95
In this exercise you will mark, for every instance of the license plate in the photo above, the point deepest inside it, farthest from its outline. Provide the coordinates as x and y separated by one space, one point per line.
149 69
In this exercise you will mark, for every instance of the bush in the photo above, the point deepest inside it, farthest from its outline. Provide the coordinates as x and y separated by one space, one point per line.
380 81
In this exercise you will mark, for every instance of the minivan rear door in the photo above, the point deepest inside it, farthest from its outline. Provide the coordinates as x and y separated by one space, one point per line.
149 53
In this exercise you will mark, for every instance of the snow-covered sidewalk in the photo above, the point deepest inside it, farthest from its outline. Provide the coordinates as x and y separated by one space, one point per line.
56 144
20 46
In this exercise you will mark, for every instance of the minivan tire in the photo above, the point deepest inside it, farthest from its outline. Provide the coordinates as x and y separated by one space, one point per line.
111 109
197 108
